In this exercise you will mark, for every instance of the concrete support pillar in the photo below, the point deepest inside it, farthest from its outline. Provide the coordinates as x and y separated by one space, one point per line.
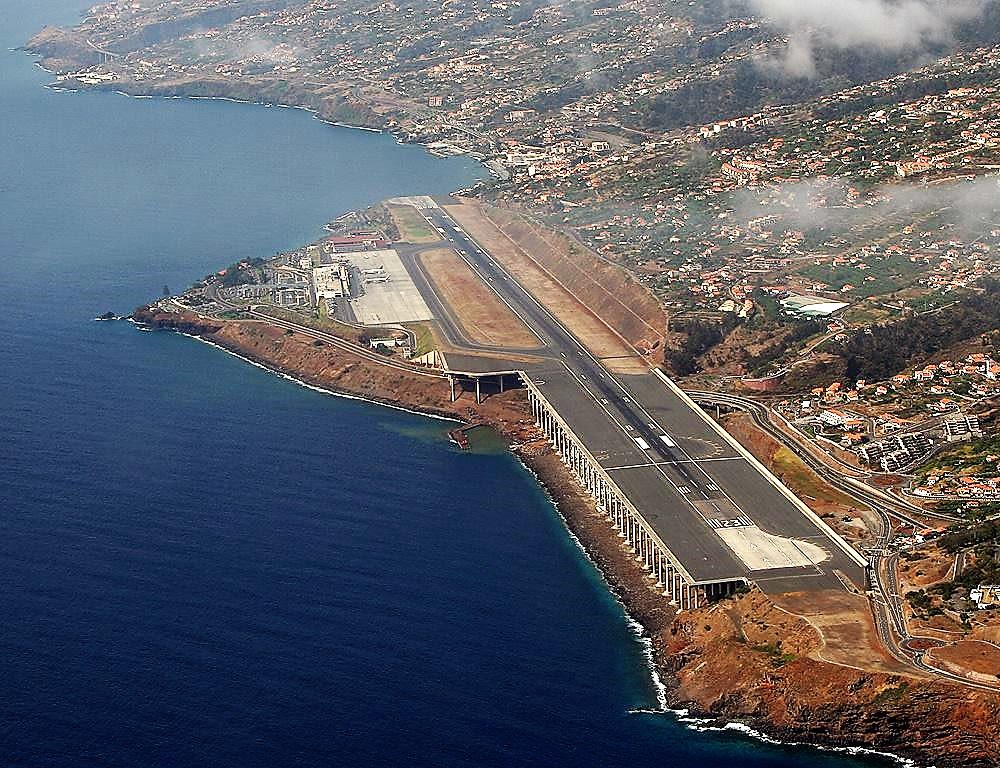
451 381
479 398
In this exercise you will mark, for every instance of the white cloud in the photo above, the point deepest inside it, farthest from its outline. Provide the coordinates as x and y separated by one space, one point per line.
883 25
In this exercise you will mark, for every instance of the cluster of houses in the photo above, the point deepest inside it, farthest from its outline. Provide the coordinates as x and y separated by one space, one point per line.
985 596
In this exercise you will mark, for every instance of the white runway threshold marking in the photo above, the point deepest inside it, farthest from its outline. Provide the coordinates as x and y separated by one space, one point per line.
421 202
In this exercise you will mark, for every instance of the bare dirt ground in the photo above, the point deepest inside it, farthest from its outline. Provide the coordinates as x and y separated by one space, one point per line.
413 228
608 290
974 659
485 319
844 622
989 633
616 354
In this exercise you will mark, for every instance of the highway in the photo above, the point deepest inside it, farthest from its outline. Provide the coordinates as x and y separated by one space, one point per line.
721 516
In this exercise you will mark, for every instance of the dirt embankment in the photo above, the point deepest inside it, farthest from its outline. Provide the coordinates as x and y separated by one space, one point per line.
609 291
743 659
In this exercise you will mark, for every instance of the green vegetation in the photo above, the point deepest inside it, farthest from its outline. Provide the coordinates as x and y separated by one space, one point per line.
919 599
413 228
779 657
970 510
800 330
892 274
424 338
700 337
318 321
890 695
965 458
984 539
885 350
241 273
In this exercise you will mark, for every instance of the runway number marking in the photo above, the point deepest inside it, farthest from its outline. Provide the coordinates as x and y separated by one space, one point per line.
735 522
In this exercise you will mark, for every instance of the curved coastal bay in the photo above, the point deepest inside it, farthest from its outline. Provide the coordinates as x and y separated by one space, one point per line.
203 564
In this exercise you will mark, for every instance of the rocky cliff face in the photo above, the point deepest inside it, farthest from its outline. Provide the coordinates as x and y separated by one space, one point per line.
332 368
183 322
725 662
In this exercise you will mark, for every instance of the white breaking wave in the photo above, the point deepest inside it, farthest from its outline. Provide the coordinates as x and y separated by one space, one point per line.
710 725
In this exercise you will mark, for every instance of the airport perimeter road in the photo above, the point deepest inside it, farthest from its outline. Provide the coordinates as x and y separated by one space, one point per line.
721 513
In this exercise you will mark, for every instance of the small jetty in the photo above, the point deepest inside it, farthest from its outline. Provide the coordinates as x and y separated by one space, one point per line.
460 436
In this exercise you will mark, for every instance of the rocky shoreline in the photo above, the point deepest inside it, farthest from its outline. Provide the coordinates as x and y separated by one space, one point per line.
743 660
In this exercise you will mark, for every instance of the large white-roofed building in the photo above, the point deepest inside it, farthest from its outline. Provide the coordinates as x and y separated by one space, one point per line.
812 306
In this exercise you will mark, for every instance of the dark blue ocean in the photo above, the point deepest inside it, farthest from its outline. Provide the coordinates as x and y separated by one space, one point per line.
202 564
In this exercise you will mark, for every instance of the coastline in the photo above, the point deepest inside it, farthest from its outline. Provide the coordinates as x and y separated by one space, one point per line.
340 111
740 695
709 680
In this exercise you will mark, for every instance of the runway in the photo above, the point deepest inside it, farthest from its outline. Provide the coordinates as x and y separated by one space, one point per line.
723 516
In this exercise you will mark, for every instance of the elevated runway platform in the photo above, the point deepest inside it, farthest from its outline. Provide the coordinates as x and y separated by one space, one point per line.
700 511
721 515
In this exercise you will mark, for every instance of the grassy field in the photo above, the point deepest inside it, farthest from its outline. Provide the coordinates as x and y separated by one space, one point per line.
802 480
413 228
425 338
